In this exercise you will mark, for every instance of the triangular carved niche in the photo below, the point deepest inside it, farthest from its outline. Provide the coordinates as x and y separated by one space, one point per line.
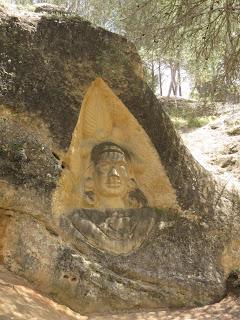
106 128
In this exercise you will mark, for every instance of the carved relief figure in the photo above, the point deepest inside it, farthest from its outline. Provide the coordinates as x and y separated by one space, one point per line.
111 168
112 184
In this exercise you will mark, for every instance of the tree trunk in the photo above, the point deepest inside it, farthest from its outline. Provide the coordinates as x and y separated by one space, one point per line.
173 83
179 80
160 78
152 75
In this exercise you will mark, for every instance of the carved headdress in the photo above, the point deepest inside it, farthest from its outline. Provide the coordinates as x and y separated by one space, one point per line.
104 118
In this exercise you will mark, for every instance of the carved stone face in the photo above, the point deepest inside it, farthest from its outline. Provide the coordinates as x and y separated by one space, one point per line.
111 183
111 174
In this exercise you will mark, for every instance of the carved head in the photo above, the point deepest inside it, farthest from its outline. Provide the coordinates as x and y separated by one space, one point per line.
112 180
111 169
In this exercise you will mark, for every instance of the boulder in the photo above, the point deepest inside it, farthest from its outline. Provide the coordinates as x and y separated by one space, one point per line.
177 252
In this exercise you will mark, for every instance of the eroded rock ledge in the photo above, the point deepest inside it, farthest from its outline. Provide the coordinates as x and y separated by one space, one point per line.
15 294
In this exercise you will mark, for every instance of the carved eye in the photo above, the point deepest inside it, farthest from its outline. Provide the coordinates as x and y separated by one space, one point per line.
123 169
103 167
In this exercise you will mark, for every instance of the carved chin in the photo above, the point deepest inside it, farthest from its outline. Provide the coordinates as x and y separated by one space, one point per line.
113 189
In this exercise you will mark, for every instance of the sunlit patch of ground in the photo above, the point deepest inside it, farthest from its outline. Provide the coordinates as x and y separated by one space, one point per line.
227 309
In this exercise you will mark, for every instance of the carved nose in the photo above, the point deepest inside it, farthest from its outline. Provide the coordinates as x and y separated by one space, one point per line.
113 172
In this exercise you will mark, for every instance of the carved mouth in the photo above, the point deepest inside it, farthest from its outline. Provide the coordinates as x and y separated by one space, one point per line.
114 183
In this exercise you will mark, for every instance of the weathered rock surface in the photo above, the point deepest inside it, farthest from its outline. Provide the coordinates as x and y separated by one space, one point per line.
47 63
45 76
172 268
19 301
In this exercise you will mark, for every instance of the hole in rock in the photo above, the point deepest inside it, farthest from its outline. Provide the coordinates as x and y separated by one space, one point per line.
233 282
74 279
52 232
56 156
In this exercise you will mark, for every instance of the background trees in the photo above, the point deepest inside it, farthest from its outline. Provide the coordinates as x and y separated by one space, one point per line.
201 36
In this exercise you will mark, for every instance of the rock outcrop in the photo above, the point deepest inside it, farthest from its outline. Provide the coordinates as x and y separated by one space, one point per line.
47 63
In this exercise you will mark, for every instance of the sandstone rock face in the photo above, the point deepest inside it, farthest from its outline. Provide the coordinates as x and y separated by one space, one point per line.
97 259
